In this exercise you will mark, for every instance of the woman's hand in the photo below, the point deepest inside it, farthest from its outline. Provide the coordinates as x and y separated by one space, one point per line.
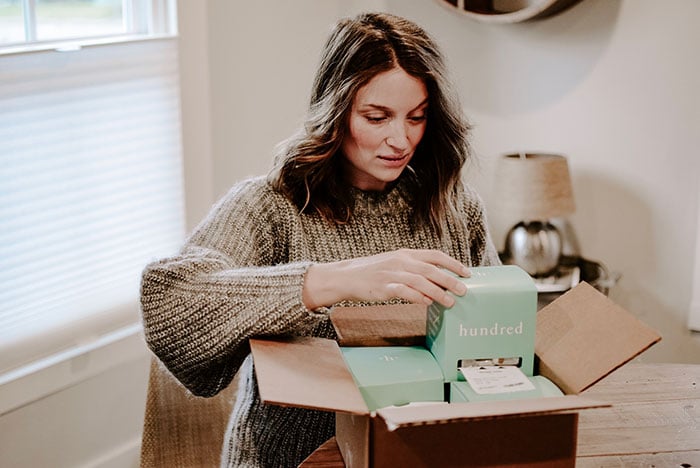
416 276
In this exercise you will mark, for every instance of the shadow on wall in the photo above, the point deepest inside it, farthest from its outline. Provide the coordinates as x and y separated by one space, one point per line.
678 344
614 222
516 68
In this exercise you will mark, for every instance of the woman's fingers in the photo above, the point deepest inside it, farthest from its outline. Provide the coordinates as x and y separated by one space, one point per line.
445 280
409 294
419 276
439 269
435 286
414 275
440 260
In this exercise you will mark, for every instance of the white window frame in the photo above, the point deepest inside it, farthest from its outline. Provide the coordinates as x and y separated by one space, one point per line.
114 337
144 19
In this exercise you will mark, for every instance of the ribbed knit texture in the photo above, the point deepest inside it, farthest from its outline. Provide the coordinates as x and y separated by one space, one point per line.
240 275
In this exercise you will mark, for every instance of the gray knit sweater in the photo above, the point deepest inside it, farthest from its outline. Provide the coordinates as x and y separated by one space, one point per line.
240 275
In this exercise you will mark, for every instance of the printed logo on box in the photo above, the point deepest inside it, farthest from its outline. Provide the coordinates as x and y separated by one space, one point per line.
494 330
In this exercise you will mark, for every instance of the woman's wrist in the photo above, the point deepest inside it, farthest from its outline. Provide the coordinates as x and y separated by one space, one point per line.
321 289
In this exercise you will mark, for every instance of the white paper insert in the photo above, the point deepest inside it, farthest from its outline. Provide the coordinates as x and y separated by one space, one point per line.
486 380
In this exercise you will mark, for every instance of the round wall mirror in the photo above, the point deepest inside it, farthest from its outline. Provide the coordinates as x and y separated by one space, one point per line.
507 11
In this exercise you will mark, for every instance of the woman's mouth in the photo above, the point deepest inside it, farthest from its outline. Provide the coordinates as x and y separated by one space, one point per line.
394 160
394 157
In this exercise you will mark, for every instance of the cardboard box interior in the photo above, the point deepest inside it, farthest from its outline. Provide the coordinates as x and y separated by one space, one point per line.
581 337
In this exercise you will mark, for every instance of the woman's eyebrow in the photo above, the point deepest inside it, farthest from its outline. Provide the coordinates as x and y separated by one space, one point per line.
423 103
375 107
379 107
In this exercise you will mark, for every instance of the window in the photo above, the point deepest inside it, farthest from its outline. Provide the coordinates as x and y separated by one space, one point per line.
90 180
39 24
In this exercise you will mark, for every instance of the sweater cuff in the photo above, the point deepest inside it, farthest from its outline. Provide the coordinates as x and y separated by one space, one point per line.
319 312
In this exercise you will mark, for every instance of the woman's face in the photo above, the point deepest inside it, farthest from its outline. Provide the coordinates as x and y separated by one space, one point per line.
387 121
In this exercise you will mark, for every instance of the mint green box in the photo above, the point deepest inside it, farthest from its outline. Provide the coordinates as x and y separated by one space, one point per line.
395 375
461 392
495 319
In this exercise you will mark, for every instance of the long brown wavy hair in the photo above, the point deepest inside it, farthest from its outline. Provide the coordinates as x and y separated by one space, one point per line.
309 166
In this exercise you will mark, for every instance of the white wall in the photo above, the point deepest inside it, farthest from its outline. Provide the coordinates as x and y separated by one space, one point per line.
92 419
262 56
612 84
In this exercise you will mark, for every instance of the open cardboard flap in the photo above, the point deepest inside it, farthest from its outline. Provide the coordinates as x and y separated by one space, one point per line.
307 373
387 325
441 413
583 336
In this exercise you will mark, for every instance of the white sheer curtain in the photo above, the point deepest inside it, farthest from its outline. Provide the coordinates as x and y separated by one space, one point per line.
90 190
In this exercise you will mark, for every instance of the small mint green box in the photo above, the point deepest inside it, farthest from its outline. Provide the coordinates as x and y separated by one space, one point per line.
461 392
395 375
495 319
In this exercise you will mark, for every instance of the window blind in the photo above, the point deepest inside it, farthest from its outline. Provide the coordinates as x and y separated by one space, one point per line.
91 189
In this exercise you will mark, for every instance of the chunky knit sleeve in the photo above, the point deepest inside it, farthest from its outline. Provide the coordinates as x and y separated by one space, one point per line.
231 281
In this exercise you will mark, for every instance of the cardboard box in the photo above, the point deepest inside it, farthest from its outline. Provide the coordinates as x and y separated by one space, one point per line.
580 338
462 391
495 319
395 375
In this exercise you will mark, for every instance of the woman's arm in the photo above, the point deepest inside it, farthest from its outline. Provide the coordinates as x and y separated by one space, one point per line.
229 283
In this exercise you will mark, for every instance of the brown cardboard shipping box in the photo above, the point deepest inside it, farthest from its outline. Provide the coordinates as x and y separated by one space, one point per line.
581 337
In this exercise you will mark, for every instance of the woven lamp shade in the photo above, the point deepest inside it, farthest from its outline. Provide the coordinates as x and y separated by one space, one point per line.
534 186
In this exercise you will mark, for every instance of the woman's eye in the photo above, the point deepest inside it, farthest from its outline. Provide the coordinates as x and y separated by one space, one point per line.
417 118
374 119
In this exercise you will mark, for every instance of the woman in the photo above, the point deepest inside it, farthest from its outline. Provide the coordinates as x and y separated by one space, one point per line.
365 206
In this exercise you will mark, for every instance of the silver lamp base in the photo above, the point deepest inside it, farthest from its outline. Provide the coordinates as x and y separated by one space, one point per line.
535 247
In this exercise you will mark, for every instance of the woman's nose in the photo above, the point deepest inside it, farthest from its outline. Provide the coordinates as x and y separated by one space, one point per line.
398 136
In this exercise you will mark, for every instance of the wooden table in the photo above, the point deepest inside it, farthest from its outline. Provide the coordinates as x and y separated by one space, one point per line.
654 421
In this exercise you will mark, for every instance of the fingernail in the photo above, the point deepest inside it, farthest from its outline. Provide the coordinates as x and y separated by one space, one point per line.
461 289
449 300
465 272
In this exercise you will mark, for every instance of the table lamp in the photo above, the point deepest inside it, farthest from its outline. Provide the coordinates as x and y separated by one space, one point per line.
533 188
